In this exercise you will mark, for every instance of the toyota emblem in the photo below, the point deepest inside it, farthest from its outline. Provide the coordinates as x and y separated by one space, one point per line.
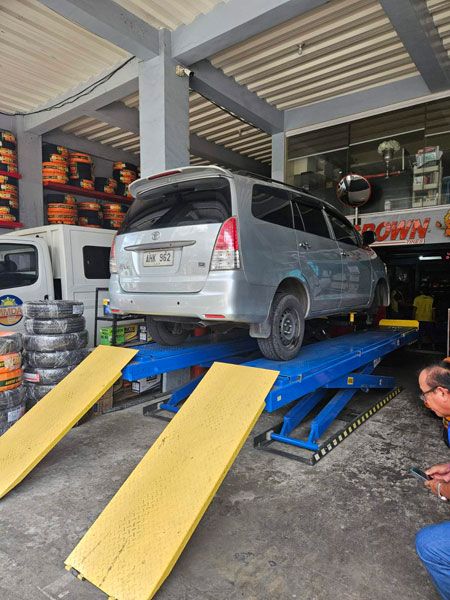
155 235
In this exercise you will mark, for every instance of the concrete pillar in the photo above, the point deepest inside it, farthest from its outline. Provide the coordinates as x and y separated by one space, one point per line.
279 156
31 195
163 112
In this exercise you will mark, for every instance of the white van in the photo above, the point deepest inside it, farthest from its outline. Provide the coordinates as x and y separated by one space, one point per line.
52 262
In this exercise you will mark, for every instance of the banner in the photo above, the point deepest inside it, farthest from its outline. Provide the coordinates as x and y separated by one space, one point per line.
425 226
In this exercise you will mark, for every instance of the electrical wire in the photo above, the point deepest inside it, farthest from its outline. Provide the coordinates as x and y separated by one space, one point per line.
71 99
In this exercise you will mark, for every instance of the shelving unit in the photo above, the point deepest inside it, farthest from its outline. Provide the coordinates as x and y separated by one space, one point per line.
421 191
13 174
76 191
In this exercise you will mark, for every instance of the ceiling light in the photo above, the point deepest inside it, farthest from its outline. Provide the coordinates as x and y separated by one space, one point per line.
430 257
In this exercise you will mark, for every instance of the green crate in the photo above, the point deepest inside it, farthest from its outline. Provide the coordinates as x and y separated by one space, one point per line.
106 336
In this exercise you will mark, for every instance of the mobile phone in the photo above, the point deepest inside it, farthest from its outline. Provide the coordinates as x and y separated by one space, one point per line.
419 474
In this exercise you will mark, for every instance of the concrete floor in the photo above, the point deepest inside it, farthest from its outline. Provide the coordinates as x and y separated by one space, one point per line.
277 529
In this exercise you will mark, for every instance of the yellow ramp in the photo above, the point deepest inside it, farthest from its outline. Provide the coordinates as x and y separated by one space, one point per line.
135 542
40 429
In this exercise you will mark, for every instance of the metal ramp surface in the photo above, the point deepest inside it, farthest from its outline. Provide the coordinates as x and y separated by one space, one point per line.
135 542
33 436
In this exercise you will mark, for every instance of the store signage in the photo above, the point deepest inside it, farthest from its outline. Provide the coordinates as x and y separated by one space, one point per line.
430 226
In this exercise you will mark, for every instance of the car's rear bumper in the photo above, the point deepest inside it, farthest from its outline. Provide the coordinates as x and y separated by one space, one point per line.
226 294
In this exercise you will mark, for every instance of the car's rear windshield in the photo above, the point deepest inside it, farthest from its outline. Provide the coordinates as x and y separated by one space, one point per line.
196 202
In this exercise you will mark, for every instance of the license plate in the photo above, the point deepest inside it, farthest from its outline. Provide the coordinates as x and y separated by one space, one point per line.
158 258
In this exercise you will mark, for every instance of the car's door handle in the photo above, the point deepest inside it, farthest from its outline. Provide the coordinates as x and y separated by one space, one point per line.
304 245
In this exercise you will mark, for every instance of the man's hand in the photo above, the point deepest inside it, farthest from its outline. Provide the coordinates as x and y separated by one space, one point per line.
432 485
439 472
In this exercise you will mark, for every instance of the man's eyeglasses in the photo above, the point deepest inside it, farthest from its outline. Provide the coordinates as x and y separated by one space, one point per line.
423 395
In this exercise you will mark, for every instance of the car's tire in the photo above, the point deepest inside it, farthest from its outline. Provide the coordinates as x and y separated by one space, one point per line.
35 392
55 343
377 301
12 397
46 376
52 309
287 321
165 333
10 342
55 360
12 407
49 326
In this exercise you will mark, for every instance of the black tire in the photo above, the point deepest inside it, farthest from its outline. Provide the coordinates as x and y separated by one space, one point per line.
12 397
165 333
10 342
49 326
12 407
52 309
46 376
377 300
55 360
287 322
55 343
34 393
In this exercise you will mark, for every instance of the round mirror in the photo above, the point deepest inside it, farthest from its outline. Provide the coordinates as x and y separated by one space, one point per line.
353 190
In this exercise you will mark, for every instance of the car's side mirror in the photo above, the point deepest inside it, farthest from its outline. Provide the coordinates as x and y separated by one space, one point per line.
369 237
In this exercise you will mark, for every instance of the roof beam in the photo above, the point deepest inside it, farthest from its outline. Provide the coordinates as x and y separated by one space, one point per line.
80 144
415 27
226 92
117 114
111 22
233 22
222 156
353 104
123 83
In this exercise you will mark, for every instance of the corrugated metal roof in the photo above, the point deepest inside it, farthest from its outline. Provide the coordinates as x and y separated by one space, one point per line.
440 11
104 133
341 47
168 13
216 125
44 55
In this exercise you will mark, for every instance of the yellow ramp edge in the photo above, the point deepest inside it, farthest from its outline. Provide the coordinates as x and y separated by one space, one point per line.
33 436
399 323
135 542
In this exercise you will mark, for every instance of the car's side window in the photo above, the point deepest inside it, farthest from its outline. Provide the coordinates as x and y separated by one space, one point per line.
272 205
313 220
298 221
343 232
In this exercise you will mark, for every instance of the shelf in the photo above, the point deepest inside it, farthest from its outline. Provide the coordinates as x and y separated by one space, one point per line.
118 319
420 170
14 175
10 224
425 187
76 191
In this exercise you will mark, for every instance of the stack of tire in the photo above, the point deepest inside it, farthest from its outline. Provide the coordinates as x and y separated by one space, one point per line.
113 215
54 343
124 173
62 208
81 170
8 152
106 185
12 390
9 191
90 214
55 166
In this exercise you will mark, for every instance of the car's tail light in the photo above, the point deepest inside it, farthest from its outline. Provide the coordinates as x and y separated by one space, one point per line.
112 258
164 174
226 249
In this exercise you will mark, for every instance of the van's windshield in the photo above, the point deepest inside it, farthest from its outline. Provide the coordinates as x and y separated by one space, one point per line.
196 202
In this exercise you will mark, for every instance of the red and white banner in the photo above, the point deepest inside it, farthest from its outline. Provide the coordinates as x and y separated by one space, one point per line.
423 226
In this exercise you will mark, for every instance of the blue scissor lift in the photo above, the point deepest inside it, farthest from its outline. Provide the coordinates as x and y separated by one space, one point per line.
343 365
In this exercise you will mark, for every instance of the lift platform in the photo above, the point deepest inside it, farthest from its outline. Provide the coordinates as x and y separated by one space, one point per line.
325 375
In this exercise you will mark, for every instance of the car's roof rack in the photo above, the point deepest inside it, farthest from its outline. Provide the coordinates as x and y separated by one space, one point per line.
264 178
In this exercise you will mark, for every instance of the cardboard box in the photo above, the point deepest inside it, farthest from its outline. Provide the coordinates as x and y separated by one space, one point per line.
144 385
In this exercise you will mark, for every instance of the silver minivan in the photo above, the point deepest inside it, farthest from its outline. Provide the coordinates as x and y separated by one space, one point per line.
203 246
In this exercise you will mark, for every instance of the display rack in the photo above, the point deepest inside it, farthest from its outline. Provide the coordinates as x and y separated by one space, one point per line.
12 174
77 191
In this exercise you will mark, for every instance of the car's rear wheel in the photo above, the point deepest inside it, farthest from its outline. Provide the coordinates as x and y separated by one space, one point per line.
287 320
166 333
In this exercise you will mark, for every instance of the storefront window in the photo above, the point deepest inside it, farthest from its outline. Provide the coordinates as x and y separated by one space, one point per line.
405 155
